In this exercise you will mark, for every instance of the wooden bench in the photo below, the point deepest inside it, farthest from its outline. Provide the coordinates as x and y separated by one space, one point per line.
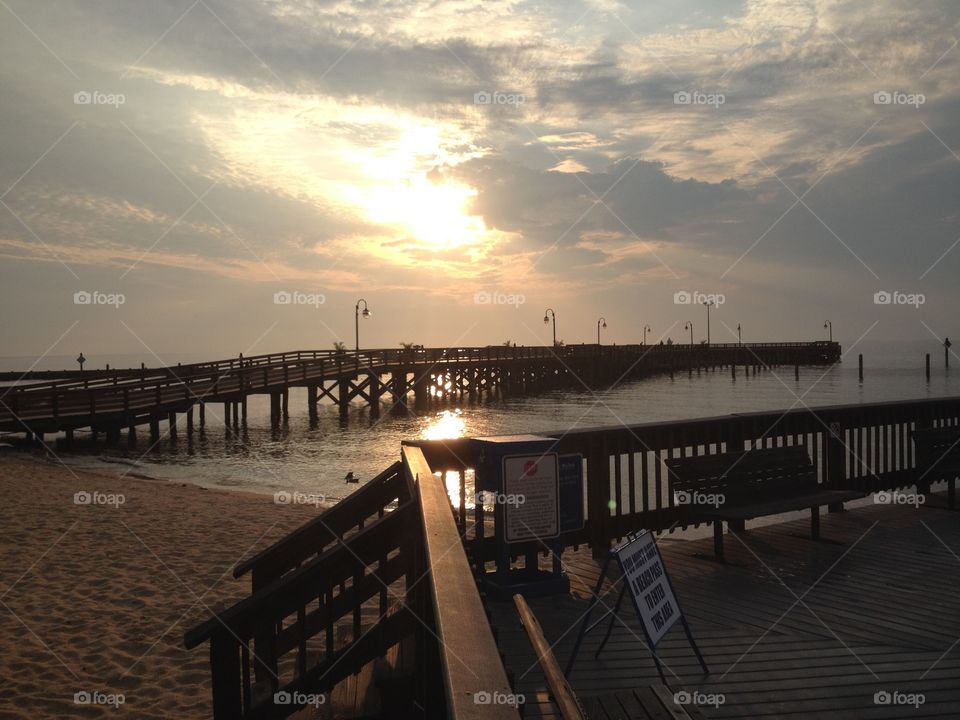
648 702
938 458
750 484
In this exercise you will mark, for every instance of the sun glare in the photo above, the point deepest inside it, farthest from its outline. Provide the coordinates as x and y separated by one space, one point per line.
433 213
446 426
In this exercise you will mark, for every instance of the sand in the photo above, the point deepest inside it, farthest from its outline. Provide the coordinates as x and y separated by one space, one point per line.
95 598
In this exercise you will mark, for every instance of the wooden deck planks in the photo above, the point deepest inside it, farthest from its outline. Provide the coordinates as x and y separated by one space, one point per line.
890 608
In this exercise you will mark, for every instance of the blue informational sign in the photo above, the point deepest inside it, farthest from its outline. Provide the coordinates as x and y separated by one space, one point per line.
571 493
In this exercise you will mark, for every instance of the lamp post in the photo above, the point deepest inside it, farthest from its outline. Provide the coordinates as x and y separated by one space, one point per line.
709 304
646 329
549 313
689 326
601 323
829 324
739 335
356 318
81 360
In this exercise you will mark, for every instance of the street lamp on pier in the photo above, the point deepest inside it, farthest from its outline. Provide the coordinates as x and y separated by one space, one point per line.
601 323
549 313
829 324
709 304
356 317
689 326
646 329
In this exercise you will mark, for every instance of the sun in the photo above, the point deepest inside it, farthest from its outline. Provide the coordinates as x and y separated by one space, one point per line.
435 213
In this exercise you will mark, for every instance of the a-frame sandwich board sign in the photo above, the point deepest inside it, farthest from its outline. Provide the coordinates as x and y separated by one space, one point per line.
645 578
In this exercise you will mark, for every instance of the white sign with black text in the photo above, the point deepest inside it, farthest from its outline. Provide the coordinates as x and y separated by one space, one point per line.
535 478
646 578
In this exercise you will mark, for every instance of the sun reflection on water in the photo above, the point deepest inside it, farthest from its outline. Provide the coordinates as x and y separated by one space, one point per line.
448 425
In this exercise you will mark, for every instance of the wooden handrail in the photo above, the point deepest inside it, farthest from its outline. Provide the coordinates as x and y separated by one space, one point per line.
469 656
293 590
560 689
311 538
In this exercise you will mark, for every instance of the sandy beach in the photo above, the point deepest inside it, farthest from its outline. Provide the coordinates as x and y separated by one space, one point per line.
99 577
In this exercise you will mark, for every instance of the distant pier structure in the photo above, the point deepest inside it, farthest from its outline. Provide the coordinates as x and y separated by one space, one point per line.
118 401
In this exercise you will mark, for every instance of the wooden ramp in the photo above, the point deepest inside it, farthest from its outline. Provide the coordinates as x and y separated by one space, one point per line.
791 628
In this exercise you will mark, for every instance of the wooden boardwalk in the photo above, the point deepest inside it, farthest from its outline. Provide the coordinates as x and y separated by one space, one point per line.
790 628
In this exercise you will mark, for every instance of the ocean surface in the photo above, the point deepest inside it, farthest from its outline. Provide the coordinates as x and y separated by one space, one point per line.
313 459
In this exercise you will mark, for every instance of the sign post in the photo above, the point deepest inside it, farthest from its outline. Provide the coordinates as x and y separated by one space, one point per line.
645 577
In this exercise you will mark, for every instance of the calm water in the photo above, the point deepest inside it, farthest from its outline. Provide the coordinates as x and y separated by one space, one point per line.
315 459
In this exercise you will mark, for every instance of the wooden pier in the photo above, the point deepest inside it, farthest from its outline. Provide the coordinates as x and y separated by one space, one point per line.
880 618
118 402
850 626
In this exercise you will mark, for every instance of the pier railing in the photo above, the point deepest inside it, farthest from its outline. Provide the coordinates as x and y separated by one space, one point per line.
122 399
458 637
286 640
387 356
865 447
385 566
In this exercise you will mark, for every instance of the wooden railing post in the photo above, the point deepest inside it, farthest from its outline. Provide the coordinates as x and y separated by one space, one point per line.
598 496
225 676
835 451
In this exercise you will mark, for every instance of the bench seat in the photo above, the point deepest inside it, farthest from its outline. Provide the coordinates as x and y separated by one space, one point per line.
777 505
751 484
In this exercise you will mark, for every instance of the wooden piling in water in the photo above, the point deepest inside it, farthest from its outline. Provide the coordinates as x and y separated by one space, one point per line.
343 396
376 388
312 402
274 409
203 413
172 422
860 365
928 367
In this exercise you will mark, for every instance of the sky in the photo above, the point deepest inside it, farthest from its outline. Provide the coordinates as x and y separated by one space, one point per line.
221 176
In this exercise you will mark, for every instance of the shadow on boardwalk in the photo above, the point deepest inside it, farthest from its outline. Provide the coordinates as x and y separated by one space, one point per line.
789 627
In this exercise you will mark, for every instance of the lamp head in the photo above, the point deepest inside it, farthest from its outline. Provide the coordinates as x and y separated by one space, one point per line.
365 313
546 320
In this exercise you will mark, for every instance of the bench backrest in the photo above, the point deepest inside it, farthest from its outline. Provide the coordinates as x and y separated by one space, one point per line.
936 445
563 695
753 474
